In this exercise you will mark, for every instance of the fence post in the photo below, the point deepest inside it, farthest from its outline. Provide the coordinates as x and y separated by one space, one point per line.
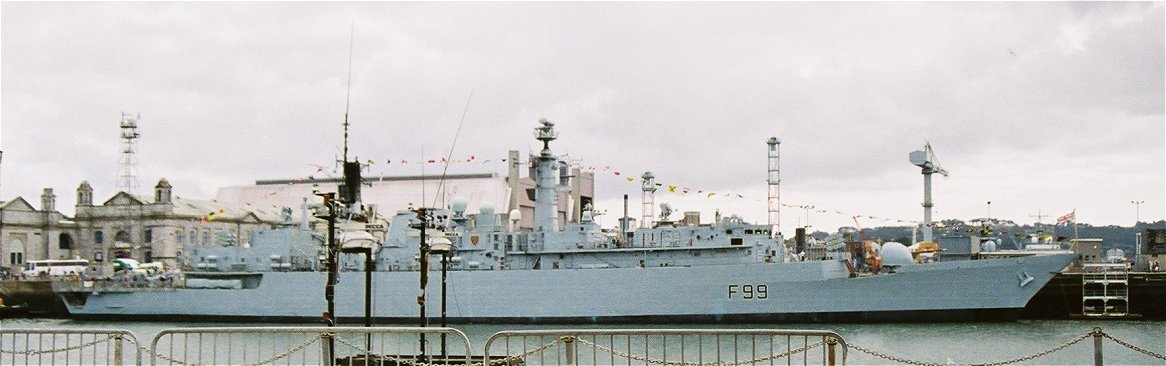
117 350
326 349
569 344
1098 358
830 343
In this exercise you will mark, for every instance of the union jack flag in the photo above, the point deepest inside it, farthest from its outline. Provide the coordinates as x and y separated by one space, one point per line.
1072 216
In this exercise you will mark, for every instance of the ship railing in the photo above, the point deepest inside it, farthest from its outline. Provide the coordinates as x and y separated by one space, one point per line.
681 347
348 346
68 347
110 285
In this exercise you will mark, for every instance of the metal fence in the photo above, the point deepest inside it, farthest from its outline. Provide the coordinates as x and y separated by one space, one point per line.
68 347
352 346
667 347
309 346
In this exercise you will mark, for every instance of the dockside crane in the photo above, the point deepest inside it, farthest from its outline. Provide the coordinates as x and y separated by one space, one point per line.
926 159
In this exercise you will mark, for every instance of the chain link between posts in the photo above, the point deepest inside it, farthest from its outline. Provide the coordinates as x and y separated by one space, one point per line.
505 360
1095 333
646 359
32 352
266 361
1130 346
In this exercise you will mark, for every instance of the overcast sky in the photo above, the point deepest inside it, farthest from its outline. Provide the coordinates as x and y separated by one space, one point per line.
1040 108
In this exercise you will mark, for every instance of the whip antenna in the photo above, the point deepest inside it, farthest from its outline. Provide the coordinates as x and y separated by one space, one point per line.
441 183
348 88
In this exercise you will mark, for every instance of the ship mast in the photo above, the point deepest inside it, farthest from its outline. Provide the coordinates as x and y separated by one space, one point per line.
545 199
774 187
647 200
926 159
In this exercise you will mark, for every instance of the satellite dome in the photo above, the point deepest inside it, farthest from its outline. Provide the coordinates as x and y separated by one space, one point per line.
487 208
988 246
515 214
459 205
896 254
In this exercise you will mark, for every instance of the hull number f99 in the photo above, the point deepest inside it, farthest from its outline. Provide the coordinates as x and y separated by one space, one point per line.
749 292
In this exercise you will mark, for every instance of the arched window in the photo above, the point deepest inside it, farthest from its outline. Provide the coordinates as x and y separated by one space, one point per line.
122 236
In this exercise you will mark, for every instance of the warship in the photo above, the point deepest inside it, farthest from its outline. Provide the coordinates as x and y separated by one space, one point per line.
492 271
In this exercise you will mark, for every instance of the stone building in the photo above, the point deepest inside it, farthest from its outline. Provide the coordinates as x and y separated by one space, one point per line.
27 233
153 228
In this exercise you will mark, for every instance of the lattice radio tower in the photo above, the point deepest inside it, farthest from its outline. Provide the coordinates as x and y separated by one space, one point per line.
774 185
128 177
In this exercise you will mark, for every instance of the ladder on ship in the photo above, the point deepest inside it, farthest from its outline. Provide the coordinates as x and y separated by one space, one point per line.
1105 290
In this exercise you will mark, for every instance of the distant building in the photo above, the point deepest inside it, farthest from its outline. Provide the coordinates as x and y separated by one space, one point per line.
159 228
27 233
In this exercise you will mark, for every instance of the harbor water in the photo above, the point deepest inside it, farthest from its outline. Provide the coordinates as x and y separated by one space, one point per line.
943 343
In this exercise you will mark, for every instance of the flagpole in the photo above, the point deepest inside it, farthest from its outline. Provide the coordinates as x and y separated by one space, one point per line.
1077 237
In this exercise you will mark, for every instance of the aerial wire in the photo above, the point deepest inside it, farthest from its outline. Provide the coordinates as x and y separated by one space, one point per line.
441 183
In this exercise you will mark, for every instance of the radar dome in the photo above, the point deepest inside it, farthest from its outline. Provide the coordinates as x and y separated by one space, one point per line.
459 205
515 215
988 246
487 208
896 254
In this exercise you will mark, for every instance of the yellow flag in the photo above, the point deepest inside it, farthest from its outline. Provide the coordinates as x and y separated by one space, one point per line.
671 188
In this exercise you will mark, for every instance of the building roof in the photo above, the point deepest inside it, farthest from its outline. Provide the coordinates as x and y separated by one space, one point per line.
220 209
18 204
199 208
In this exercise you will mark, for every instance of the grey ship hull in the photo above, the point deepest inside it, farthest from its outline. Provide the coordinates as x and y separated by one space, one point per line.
983 290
